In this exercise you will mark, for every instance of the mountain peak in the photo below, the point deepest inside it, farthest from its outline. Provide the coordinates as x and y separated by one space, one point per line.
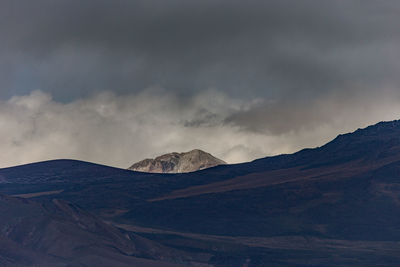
175 162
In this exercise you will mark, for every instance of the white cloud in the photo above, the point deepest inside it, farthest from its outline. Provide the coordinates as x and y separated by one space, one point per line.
119 130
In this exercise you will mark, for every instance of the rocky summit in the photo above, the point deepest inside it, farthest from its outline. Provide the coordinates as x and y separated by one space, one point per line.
191 161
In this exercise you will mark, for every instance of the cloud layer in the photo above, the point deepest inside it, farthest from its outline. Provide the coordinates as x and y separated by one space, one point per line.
241 79
119 130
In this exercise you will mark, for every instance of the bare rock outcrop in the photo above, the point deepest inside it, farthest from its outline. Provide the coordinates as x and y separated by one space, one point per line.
178 162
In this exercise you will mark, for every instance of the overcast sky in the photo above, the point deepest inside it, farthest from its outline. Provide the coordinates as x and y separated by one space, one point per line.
117 81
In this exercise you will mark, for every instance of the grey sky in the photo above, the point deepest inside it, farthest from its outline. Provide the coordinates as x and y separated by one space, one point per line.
285 69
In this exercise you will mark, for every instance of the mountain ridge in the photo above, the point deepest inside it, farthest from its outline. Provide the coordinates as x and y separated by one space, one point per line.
337 204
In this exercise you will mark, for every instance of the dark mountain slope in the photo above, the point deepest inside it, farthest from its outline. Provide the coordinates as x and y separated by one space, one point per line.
58 171
60 234
342 198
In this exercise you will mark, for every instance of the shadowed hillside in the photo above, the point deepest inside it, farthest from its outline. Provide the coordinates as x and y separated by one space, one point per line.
336 204
60 234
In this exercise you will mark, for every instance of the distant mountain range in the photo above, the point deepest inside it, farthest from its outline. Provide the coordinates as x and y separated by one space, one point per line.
334 205
191 161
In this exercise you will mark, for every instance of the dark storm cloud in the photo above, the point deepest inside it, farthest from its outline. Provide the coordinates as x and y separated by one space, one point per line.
253 48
